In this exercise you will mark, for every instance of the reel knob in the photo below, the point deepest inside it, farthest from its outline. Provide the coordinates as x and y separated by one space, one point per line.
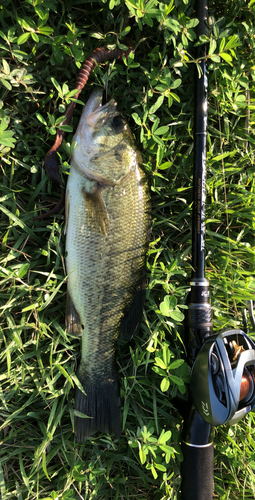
247 385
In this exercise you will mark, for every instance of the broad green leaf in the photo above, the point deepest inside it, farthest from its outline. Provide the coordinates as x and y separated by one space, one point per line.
192 23
3 36
7 139
212 46
160 362
174 96
66 128
142 455
173 25
241 98
161 130
222 44
27 23
176 315
226 57
176 380
165 165
4 123
154 473
165 383
166 354
164 436
132 3
6 67
167 449
35 37
23 38
59 120
41 119
215 58
160 467
155 124
176 83
233 42
78 476
40 11
56 84
169 303
159 371
164 309
46 30
176 364
136 118
157 104
6 84
65 90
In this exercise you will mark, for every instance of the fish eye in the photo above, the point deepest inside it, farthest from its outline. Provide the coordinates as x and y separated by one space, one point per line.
117 122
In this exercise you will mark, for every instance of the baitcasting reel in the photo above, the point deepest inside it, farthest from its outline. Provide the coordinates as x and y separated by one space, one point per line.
223 378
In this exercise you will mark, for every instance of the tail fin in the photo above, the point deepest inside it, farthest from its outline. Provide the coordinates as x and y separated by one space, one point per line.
101 405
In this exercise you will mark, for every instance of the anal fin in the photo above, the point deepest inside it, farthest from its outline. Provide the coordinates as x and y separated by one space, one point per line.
73 321
132 320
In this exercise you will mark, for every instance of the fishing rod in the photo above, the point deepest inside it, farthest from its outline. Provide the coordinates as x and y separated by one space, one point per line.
222 384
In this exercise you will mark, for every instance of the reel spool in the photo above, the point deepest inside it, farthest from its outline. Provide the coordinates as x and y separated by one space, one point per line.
223 378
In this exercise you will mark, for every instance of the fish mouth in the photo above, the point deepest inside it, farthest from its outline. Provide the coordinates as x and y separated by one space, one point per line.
96 114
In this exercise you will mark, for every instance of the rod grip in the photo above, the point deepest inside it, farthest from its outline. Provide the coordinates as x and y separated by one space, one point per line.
197 472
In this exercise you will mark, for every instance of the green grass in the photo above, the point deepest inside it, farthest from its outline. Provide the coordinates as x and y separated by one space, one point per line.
42 46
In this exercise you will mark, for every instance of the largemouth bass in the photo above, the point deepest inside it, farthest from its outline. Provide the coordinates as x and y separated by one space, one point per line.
107 225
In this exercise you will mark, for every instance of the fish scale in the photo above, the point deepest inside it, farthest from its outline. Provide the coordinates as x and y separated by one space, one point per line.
107 223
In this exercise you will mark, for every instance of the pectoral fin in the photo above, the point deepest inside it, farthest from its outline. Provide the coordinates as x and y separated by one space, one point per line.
98 218
73 322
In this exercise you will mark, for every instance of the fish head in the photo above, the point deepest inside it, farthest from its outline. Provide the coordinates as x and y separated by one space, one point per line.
104 140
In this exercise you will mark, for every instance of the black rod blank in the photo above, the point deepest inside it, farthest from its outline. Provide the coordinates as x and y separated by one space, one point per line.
197 442
199 168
